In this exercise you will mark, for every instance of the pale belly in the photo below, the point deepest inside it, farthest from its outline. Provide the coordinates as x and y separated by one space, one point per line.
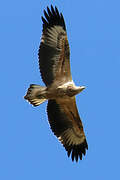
56 93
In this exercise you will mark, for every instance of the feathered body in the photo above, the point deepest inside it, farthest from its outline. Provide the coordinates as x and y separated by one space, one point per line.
60 90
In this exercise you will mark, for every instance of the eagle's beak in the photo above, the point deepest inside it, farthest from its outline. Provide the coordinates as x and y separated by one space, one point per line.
82 88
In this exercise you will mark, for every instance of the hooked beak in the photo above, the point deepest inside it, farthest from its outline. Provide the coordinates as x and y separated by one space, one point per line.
81 88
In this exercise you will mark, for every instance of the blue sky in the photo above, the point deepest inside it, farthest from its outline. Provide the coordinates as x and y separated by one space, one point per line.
28 148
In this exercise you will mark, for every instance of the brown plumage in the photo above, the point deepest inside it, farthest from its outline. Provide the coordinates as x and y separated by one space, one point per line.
60 90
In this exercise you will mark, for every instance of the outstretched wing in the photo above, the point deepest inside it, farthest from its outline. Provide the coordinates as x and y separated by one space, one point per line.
66 124
54 53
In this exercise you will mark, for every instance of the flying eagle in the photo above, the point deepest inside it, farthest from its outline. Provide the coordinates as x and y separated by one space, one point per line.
60 90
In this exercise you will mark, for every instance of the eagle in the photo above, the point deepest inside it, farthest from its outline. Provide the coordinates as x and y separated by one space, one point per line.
60 90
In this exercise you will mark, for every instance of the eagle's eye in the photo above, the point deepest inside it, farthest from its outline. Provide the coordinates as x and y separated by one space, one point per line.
70 88
70 91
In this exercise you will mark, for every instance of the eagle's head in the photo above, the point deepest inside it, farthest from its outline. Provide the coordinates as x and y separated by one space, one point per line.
73 90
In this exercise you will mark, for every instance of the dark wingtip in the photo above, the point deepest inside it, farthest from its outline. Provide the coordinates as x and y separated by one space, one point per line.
77 151
56 10
52 18
52 10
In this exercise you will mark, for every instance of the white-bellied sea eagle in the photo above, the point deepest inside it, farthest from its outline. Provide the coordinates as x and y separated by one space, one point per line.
60 90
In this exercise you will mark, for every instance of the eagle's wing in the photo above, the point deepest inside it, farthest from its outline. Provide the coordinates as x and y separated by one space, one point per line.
67 126
54 53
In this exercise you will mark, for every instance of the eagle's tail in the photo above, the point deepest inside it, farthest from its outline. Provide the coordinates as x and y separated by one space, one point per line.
35 94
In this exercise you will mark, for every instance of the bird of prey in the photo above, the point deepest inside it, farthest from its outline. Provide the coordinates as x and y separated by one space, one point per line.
60 90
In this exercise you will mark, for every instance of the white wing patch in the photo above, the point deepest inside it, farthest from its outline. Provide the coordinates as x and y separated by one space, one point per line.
70 138
67 84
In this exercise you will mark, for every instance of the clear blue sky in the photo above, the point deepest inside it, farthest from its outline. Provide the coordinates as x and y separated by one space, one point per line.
28 148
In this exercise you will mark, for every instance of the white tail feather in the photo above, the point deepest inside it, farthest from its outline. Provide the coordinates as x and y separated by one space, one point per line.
35 94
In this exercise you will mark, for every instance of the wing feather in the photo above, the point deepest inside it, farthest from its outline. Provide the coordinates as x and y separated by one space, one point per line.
54 52
67 126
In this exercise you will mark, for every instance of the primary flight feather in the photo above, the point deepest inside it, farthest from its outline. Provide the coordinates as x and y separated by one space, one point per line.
60 90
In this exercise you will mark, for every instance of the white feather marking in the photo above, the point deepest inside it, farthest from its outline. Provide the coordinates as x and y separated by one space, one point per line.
67 84
70 138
